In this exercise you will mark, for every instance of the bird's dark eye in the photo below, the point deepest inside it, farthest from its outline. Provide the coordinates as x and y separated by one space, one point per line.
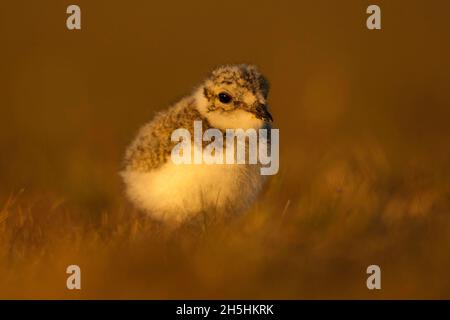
224 97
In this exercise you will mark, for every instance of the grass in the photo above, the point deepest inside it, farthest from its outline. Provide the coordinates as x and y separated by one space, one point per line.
364 157
349 213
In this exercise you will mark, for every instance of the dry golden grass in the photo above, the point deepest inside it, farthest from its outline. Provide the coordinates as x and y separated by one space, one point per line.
364 160
316 242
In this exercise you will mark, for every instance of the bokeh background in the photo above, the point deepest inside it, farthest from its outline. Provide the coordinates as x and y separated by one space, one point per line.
364 120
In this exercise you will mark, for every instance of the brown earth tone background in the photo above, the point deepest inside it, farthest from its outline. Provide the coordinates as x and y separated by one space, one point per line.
364 120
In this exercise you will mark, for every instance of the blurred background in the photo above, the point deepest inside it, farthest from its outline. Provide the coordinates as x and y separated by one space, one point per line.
364 148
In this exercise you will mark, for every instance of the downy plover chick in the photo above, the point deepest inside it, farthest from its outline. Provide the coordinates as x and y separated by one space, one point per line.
232 97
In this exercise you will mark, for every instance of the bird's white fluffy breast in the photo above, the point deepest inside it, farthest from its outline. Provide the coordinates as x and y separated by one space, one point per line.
177 192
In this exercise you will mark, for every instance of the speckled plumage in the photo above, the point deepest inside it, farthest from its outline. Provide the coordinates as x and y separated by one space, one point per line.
178 192
152 146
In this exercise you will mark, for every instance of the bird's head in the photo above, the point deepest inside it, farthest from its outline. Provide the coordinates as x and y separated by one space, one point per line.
234 96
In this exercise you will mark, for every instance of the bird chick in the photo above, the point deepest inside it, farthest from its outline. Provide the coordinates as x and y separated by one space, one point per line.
232 97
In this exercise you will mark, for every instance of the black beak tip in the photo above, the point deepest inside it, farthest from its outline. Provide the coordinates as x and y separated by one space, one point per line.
263 114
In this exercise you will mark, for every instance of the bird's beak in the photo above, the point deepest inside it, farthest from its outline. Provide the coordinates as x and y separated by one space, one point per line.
261 112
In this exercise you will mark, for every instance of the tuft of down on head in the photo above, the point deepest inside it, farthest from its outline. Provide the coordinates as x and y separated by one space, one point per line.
234 96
